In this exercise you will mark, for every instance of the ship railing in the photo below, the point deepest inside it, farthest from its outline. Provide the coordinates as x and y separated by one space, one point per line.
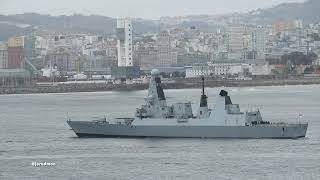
282 124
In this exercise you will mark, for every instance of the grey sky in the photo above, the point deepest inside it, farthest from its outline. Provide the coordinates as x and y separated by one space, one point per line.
150 9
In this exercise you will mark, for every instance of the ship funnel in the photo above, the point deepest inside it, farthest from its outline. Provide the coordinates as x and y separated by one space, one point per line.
224 94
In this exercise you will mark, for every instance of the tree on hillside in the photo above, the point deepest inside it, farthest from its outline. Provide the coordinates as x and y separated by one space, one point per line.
314 37
312 56
308 70
298 58
177 74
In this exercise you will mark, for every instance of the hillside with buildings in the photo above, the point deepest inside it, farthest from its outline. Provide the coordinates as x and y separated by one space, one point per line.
56 49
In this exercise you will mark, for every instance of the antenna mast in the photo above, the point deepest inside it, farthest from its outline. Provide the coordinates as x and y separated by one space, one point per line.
202 84
203 99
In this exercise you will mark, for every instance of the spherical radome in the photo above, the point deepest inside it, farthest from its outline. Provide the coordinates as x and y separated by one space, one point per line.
155 72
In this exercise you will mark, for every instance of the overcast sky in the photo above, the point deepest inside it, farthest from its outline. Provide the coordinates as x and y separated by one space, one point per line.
150 9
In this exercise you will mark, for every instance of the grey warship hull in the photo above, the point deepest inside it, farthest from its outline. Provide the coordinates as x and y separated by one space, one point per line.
156 118
100 129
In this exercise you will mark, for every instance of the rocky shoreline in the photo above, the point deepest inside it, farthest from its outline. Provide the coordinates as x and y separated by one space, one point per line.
179 84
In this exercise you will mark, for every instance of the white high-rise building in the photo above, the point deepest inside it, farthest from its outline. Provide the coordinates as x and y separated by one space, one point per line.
124 42
166 56
236 42
259 42
298 24
3 55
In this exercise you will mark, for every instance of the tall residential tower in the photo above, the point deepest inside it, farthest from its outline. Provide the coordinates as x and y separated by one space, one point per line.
124 42
166 56
3 55
236 41
259 42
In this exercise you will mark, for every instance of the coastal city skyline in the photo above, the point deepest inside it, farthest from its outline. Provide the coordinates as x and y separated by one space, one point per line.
160 89
142 9
275 43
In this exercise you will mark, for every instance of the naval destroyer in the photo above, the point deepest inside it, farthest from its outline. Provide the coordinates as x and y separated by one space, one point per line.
158 119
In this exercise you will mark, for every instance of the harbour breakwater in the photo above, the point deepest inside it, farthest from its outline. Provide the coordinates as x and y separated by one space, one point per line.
178 84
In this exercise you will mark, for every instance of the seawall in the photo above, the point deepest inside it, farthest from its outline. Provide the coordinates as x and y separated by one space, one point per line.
179 84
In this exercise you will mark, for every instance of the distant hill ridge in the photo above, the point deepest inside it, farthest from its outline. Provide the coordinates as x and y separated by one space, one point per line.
308 11
74 23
